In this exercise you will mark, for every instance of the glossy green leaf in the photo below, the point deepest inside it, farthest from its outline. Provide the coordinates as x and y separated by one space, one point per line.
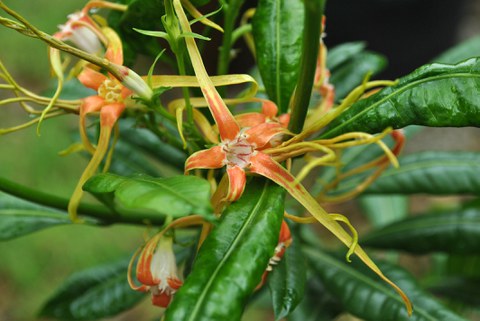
340 54
353 71
146 141
93 294
277 28
233 258
175 196
467 49
384 209
435 95
72 89
129 159
19 217
365 296
287 281
436 173
453 232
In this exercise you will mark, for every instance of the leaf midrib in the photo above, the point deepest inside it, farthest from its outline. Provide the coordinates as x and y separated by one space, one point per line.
369 282
397 92
227 254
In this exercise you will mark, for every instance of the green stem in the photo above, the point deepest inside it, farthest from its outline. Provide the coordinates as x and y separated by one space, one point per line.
310 46
99 212
231 12
188 106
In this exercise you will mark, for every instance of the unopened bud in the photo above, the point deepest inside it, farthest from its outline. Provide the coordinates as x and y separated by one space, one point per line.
135 83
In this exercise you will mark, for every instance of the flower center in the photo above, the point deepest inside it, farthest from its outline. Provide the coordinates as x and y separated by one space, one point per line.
238 151
111 91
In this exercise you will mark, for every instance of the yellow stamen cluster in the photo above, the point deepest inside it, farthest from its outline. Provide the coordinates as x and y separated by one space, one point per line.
111 91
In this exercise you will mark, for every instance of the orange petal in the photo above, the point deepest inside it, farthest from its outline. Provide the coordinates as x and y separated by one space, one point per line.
284 119
110 114
161 299
209 158
269 108
260 135
114 51
264 165
237 180
91 104
144 265
91 78
250 119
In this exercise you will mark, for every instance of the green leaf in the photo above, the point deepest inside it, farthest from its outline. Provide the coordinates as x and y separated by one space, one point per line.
353 71
72 89
453 232
174 196
438 173
317 304
435 95
467 49
19 217
129 159
277 28
93 294
384 209
340 54
287 281
146 141
364 295
233 258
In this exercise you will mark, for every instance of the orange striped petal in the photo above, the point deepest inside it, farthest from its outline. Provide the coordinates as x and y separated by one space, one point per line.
260 135
209 158
114 51
144 265
250 119
110 114
91 78
236 183
264 165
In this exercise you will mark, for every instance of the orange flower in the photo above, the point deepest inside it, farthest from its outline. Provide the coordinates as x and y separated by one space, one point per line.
110 102
157 270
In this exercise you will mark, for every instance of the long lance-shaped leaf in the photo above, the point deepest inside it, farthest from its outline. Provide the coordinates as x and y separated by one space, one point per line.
227 126
452 232
233 258
265 166
277 28
436 173
95 293
435 95
361 295
19 217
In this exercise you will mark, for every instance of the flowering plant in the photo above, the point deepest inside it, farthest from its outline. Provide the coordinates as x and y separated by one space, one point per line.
251 170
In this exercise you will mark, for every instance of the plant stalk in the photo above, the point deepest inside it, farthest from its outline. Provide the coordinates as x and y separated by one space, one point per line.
310 46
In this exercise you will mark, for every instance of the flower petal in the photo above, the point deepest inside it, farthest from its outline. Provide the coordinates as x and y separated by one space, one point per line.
264 165
91 78
144 265
161 299
236 183
269 109
109 114
209 158
91 104
250 119
260 135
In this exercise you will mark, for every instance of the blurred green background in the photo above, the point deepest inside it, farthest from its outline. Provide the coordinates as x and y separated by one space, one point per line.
32 267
